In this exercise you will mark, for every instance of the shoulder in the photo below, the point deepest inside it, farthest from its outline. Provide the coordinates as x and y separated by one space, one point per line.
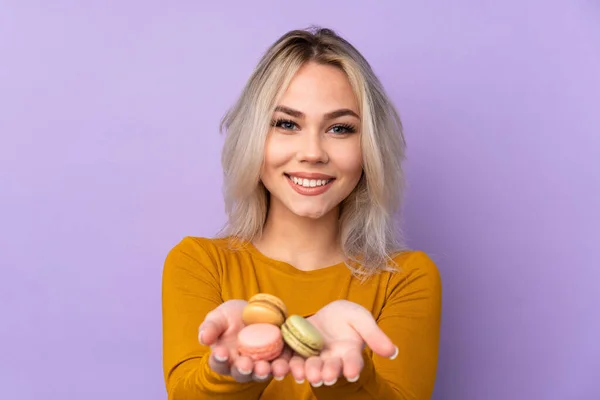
196 255
199 247
415 260
415 268
415 287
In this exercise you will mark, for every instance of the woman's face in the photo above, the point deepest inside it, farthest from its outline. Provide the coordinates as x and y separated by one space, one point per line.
313 157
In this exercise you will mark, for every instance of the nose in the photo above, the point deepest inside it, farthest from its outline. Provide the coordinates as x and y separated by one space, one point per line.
311 148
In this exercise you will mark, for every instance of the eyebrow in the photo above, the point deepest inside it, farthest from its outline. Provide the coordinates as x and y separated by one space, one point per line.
331 115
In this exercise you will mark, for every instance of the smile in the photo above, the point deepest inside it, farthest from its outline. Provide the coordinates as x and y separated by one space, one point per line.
309 187
309 182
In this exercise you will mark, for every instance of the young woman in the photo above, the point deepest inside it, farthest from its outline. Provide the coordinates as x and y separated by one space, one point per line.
312 179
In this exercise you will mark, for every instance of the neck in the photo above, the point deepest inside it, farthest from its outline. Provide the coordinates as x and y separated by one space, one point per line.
306 243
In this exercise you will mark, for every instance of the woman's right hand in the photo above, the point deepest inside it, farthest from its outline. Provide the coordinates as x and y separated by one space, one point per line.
219 330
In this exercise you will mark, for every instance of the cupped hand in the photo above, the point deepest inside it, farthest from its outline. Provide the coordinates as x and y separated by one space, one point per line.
219 330
346 328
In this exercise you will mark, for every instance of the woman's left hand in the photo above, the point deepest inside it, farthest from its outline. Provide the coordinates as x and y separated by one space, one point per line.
346 328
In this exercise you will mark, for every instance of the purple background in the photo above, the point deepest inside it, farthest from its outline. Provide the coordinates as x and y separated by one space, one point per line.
109 155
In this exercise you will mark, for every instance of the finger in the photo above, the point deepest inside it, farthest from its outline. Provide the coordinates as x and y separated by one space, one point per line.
363 323
220 354
262 371
332 369
352 365
242 369
219 360
297 368
312 367
239 376
212 327
281 366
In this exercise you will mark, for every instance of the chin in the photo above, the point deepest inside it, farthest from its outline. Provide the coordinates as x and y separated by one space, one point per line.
310 212
310 215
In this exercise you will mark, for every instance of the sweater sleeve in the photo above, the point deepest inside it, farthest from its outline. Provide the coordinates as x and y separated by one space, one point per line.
411 317
190 289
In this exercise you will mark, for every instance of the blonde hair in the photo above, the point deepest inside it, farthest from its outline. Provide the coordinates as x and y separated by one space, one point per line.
367 230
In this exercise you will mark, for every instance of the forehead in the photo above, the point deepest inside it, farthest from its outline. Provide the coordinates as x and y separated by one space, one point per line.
318 89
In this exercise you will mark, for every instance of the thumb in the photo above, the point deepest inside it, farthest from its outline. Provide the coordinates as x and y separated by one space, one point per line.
363 323
212 327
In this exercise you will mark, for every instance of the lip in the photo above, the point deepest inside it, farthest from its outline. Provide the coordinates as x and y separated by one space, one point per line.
310 191
309 175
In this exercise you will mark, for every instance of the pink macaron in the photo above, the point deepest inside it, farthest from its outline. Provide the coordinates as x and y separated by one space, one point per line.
260 342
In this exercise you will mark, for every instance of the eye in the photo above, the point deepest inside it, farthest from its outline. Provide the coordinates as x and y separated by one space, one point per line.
341 129
284 124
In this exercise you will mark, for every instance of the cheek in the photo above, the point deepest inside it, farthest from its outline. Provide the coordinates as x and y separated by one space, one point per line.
276 154
349 160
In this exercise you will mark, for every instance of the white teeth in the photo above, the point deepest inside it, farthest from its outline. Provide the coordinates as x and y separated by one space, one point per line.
309 182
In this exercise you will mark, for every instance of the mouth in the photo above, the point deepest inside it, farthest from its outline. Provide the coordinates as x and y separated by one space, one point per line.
316 182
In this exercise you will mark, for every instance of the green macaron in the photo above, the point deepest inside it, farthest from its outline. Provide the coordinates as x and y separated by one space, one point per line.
302 336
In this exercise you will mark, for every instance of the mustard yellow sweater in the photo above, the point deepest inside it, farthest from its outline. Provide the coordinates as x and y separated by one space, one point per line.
199 274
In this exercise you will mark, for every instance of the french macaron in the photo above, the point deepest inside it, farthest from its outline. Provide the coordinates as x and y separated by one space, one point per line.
302 336
264 308
260 342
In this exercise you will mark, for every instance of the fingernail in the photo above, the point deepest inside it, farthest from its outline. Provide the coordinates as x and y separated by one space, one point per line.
221 359
330 383
261 377
244 372
353 379
278 378
317 384
301 381
395 354
200 337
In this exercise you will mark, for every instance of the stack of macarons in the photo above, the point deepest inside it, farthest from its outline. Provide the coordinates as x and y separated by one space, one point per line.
268 329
